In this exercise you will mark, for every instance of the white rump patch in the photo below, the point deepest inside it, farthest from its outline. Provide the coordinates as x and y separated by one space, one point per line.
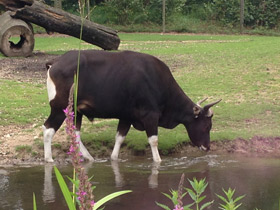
50 86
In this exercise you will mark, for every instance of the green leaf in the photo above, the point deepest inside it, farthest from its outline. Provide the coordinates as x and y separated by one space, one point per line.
184 194
204 185
168 196
188 207
64 189
74 182
200 199
194 183
239 198
192 194
222 198
163 206
236 207
34 202
206 205
223 207
109 197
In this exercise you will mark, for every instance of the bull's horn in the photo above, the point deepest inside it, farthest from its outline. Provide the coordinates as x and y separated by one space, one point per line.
208 106
201 101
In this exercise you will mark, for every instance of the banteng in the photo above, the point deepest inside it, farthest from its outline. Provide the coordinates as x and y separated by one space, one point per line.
138 89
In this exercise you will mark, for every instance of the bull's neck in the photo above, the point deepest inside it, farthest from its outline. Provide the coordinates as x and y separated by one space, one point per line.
185 109
179 110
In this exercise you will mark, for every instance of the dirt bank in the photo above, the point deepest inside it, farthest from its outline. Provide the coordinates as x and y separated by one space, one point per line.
23 144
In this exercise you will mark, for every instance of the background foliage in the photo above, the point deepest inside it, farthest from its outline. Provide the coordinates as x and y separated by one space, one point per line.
196 16
258 13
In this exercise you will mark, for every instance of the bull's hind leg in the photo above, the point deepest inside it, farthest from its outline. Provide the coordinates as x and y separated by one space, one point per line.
153 141
151 127
83 149
50 127
123 128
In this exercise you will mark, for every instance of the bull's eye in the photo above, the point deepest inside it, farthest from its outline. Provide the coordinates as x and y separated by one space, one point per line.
208 127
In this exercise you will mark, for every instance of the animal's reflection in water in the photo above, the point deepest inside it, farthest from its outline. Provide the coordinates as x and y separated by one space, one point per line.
49 190
152 179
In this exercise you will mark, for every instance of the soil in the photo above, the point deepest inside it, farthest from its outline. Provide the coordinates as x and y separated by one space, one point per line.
32 69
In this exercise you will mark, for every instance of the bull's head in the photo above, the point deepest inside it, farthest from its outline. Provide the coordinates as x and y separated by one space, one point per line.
200 125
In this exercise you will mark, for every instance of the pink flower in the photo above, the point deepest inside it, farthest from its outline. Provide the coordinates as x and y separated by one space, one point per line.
92 203
178 208
66 110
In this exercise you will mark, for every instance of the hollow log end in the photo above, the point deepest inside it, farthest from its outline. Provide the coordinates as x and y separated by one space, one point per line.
16 39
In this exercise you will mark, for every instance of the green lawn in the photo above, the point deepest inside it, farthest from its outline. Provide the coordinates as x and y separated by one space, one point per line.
244 71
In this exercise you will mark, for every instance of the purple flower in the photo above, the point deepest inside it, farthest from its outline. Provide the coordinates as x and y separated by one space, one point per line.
84 194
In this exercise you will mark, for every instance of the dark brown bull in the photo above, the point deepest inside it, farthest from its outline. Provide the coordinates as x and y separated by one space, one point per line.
138 89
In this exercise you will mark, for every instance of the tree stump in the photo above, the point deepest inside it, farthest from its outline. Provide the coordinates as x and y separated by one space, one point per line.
11 28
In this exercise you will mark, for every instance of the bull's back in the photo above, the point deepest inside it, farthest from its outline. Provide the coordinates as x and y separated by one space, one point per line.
115 84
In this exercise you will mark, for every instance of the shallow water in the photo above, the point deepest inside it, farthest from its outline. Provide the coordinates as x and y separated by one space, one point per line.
258 178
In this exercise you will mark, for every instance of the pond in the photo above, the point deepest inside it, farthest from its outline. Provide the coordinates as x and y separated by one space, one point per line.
258 178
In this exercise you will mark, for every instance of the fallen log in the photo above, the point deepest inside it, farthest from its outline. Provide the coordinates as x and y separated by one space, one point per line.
15 28
56 20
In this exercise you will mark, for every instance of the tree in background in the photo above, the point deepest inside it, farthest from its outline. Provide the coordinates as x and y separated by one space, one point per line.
57 4
257 13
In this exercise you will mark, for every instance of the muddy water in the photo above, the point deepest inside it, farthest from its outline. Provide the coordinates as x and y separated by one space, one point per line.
258 178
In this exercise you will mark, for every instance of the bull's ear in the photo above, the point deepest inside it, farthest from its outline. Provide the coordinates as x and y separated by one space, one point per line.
196 111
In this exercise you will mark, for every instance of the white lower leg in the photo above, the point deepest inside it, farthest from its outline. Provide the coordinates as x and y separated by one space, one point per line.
48 136
83 150
153 141
118 142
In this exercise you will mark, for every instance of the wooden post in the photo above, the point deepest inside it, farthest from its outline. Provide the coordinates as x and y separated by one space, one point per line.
241 15
163 16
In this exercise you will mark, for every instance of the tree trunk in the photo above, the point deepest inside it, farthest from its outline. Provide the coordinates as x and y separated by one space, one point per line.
163 16
56 20
241 15
57 4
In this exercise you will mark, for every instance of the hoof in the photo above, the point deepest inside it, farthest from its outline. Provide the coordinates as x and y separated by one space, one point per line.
89 158
114 158
157 160
49 160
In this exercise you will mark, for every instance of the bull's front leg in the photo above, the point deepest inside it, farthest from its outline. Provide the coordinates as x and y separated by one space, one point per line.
123 128
48 134
50 127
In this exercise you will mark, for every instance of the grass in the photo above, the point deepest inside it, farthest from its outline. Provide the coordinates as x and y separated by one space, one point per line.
22 103
242 70
22 148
